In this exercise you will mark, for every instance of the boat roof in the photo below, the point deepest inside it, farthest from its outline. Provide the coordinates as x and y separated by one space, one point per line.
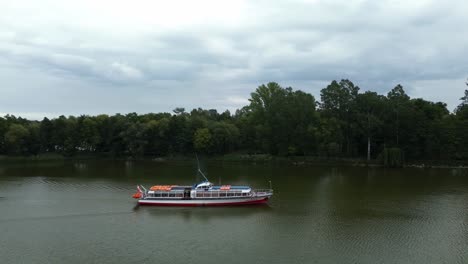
232 187
182 187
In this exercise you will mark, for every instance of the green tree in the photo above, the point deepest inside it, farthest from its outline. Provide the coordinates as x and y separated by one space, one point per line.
134 138
462 108
280 117
3 130
461 128
104 133
398 101
180 134
88 134
370 109
179 110
60 133
157 134
46 133
329 135
16 139
338 101
33 141
118 127
202 140
224 137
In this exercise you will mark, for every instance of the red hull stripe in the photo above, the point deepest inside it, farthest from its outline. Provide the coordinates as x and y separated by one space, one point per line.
207 204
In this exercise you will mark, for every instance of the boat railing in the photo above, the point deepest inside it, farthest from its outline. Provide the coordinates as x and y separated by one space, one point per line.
166 194
223 194
263 191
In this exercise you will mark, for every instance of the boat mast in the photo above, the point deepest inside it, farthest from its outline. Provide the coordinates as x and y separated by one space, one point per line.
199 170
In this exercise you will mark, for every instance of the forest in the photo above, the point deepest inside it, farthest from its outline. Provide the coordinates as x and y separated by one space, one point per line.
278 121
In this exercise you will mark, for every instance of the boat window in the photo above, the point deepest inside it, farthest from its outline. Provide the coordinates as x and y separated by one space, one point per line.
172 195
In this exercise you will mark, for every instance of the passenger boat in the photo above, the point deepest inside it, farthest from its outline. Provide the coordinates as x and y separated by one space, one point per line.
201 194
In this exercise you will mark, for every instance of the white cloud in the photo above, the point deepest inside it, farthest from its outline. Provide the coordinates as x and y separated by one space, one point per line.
67 59
121 70
446 91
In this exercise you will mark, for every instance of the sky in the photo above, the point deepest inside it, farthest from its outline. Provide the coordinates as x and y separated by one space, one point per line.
105 57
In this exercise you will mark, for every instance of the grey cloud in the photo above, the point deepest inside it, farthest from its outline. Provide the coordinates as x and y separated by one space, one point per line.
72 65
376 44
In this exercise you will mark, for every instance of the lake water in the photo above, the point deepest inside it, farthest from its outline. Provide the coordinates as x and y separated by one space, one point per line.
82 212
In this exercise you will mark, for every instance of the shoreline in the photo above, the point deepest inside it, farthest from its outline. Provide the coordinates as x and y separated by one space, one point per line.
246 158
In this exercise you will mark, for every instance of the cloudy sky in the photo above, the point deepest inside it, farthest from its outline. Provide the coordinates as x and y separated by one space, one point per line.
92 57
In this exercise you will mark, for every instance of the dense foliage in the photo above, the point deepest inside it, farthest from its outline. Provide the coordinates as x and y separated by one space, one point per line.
278 121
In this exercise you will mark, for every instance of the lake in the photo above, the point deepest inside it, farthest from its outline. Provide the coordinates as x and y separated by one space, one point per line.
82 212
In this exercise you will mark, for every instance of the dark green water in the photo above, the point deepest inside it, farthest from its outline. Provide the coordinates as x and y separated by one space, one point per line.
82 212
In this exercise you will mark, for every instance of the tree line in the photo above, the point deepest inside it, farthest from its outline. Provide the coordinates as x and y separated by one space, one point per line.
280 121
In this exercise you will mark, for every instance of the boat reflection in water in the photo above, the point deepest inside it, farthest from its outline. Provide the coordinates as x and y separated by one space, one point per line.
204 213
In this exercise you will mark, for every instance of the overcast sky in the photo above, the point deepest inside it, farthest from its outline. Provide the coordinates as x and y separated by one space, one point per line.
92 57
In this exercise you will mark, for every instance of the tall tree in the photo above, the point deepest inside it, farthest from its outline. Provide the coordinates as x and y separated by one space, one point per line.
398 100
461 128
370 108
463 106
279 115
46 132
339 103
202 140
16 139
3 130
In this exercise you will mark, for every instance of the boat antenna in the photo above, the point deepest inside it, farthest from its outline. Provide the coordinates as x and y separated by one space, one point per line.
199 170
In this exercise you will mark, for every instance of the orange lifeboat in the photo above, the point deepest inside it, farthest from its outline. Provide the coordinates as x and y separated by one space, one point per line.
137 195
162 187
225 187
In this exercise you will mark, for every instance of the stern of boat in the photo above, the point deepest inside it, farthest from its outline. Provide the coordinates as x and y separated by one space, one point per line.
140 194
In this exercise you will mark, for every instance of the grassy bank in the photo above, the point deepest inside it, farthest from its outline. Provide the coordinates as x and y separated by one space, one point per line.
247 158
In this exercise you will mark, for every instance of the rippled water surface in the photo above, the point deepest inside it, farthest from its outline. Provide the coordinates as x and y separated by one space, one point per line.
82 212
